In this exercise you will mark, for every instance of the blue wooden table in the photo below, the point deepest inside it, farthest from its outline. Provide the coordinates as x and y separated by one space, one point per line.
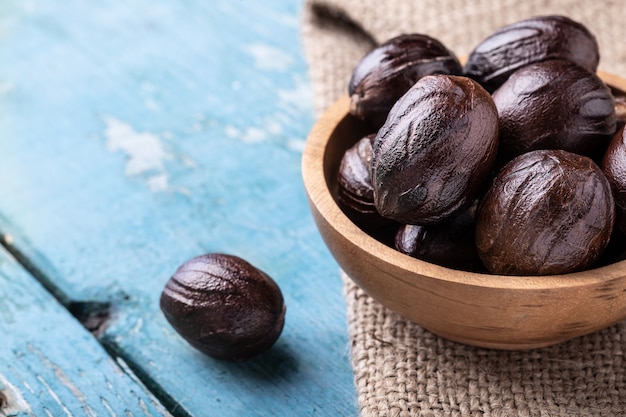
136 135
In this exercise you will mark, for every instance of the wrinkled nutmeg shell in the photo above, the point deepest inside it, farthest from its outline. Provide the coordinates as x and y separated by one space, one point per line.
528 41
614 167
554 104
547 212
354 177
355 192
224 307
435 150
450 244
388 71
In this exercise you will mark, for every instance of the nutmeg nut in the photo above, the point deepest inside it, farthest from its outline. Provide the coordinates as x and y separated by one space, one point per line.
383 75
529 41
554 104
546 212
451 244
435 150
354 177
224 307
614 167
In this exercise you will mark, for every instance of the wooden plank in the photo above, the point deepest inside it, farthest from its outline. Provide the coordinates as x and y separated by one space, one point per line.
51 366
140 134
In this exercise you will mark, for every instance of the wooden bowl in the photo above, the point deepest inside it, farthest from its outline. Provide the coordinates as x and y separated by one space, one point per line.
493 311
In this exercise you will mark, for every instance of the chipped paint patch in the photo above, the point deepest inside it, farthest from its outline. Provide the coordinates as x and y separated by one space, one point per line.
267 57
158 182
63 379
13 402
296 145
145 152
128 371
298 98
254 135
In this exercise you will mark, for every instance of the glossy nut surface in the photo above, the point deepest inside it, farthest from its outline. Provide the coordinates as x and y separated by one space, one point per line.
547 212
224 306
435 150
528 41
495 311
354 177
554 104
450 244
614 167
388 71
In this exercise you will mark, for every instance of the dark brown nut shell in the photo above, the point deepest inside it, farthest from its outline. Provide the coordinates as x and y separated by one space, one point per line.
528 41
451 244
354 186
619 96
554 104
224 306
547 212
388 71
614 167
354 176
435 150
615 250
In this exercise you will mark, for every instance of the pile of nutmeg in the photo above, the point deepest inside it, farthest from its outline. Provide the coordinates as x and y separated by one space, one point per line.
514 163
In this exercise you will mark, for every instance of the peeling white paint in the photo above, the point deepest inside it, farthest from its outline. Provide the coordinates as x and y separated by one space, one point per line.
107 406
128 371
15 401
267 57
54 396
296 144
137 327
145 152
64 380
291 103
298 98
254 135
249 135
158 182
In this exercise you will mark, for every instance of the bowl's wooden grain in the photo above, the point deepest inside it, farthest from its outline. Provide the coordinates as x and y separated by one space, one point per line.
504 312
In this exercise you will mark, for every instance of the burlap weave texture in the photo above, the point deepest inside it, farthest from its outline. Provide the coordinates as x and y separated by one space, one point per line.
401 369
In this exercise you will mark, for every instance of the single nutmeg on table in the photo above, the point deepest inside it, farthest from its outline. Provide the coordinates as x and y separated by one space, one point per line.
224 306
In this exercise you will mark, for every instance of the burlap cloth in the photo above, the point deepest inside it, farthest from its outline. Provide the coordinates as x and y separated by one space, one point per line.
401 369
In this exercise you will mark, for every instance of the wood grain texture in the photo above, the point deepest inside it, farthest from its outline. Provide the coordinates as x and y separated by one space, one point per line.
52 366
140 134
504 312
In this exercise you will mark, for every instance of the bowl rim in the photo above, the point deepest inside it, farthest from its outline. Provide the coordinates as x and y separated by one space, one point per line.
320 196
